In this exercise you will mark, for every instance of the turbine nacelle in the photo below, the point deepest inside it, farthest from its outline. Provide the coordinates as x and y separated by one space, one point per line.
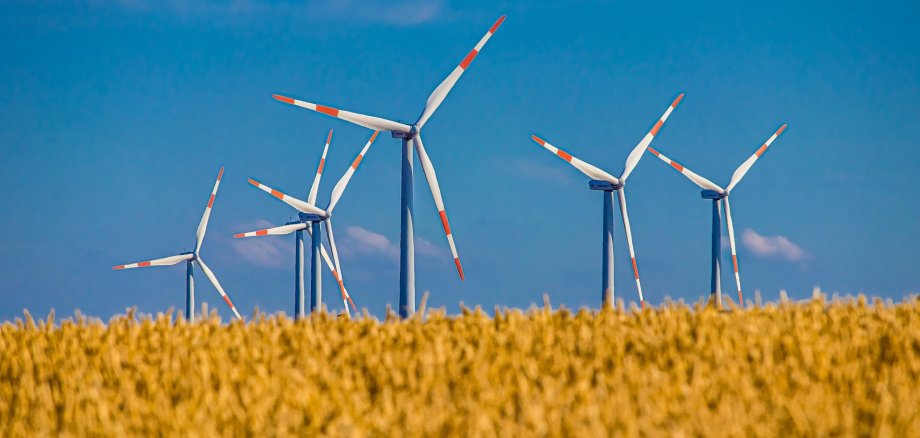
607 186
413 132
712 194
307 217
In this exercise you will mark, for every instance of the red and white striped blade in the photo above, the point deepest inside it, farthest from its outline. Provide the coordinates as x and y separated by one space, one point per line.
746 165
346 298
343 182
633 159
311 198
438 95
590 170
432 178
301 206
370 122
275 231
165 261
335 257
210 275
629 242
703 183
203 225
731 242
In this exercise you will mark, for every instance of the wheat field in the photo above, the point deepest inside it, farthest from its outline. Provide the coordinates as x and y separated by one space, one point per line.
792 369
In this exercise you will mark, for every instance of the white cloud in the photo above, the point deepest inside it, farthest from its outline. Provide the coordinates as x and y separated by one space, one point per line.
394 12
537 170
364 241
772 246
271 251
426 248
360 240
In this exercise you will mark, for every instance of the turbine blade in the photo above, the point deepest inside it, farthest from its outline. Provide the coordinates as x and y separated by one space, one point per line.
703 183
370 122
165 261
210 275
335 257
746 165
731 241
203 225
590 170
432 178
438 95
301 206
275 231
343 182
629 242
335 273
311 198
633 159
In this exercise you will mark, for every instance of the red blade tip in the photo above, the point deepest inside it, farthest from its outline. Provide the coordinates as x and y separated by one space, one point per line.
283 99
220 174
538 140
253 182
497 24
373 136
115 268
459 268
677 101
329 137
781 129
237 236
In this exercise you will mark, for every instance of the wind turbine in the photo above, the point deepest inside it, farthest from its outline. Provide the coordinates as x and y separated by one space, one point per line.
190 258
313 229
309 212
716 193
410 135
607 183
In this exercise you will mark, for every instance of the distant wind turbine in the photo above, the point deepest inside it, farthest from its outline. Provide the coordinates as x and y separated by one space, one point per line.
190 258
313 229
716 193
309 212
410 135
607 183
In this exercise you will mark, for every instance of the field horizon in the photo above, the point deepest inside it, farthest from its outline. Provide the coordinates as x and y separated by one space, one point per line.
820 367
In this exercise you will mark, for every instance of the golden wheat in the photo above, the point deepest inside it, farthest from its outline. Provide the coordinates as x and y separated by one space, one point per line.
815 369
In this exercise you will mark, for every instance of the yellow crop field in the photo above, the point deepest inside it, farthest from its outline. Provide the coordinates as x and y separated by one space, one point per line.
794 369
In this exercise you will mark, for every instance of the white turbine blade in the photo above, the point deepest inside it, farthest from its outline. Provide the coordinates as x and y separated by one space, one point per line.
731 241
343 182
210 275
275 231
703 183
203 225
335 274
590 170
438 95
301 206
432 178
370 122
165 261
335 257
746 165
311 198
633 159
629 242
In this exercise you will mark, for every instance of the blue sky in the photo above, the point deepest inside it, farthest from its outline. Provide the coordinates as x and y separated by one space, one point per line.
115 116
